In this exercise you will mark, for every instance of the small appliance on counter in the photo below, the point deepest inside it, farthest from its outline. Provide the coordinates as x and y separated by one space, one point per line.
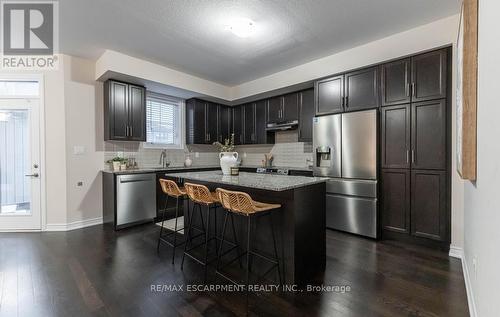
345 150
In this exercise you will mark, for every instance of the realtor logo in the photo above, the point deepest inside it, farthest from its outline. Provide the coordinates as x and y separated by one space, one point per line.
29 34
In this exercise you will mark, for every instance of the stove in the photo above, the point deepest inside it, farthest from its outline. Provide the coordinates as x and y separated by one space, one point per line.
270 170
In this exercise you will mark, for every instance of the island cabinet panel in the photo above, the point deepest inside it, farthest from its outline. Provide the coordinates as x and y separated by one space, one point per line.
396 77
395 136
249 123
396 200
429 76
362 89
124 111
306 107
238 124
330 95
429 135
428 204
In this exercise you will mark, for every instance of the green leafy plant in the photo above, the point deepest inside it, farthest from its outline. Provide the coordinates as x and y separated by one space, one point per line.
117 159
228 145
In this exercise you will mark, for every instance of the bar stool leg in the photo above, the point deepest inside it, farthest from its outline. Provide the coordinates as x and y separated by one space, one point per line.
175 228
188 235
275 248
162 221
207 233
248 258
236 241
222 241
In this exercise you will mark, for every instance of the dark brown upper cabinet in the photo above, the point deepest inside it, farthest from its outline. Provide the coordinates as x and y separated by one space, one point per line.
283 108
429 135
249 123
396 200
428 204
274 107
211 122
202 122
396 77
290 107
429 76
361 89
306 107
396 136
225 116
238 124
124 112
330 95
262 136
195 121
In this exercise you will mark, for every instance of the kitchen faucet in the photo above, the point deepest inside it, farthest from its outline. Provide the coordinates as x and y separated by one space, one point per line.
163 159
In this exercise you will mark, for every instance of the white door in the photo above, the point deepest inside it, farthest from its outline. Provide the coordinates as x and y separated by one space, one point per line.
20 184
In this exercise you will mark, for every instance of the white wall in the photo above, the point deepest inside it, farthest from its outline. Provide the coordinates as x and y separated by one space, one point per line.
84 128
482 199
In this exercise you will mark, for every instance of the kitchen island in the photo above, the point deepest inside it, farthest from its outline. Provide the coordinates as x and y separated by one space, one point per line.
300 224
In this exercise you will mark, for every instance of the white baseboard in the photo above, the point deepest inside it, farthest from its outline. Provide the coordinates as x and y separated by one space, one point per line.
468 287
458 253
73 225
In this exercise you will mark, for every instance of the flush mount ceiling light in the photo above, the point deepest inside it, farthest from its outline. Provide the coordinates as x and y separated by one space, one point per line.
242 27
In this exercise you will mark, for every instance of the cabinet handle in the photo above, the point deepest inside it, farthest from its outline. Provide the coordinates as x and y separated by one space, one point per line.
347 101
126 131
413 156
131 131
407 156
413 89
342 101
407 90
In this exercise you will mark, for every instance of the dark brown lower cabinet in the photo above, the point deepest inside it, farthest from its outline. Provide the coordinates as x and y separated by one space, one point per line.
396 200
428 204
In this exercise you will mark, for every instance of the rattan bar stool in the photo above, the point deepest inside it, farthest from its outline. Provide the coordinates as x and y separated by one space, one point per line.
200 195
240 203
171 189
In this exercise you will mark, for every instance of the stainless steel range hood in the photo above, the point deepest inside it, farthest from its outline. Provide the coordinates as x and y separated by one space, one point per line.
282 126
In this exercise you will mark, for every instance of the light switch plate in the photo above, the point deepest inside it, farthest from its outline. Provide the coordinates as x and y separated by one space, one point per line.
78 150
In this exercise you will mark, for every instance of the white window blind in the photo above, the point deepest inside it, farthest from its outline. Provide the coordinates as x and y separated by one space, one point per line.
163 121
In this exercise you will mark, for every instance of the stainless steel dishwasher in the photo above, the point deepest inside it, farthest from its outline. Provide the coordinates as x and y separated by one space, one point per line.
135 198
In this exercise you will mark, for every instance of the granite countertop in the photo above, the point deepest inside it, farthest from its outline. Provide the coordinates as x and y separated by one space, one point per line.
252 180
157 169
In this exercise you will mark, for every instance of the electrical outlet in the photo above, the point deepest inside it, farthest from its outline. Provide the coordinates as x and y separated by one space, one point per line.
245 154
196 154
79 184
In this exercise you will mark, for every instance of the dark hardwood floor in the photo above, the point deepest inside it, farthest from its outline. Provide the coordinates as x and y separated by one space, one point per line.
98 272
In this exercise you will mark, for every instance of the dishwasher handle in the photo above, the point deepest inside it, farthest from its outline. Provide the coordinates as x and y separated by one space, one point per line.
136 178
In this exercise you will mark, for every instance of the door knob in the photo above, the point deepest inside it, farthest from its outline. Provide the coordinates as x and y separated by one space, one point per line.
32 175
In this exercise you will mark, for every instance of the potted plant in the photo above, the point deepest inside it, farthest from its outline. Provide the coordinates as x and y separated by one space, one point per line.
116 162
228 157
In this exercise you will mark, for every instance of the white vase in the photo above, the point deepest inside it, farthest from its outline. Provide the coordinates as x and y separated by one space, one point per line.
228 160
188 161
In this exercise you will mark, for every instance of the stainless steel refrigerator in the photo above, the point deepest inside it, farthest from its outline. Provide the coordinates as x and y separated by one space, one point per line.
345 149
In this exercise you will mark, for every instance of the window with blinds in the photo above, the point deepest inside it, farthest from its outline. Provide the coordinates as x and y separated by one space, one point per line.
163 122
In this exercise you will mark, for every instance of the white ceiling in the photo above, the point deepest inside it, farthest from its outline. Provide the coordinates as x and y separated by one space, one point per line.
190 35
